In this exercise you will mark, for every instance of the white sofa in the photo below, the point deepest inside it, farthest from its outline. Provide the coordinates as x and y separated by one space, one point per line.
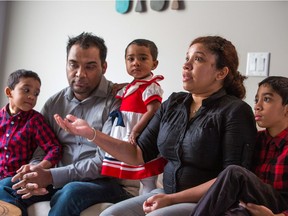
42 208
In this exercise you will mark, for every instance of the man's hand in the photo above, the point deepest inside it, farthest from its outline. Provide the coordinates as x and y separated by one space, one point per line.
33 182
116 87
31 190
155 202
21 171
24 169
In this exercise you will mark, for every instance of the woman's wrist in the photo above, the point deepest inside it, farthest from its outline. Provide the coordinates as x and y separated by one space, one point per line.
94 135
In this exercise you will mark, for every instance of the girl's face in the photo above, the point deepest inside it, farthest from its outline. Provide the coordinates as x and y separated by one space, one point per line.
269 111
200 75
139 61
24 96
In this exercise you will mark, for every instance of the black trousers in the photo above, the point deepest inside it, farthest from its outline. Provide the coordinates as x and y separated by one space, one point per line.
236 183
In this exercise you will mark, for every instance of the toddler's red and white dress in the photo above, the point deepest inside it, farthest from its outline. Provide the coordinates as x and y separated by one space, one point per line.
135 97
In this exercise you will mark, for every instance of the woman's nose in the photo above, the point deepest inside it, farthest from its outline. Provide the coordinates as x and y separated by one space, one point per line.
187 66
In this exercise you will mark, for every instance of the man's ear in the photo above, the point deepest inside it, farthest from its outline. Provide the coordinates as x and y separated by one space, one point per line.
8 92
222 73
104 67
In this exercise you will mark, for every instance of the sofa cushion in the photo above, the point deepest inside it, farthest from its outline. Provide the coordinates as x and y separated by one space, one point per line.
42 209
95 210
39 209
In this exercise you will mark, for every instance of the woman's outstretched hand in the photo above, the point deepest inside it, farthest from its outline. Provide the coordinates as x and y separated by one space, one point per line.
74 125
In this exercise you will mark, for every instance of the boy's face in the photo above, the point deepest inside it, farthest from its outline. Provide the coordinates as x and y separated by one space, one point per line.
269 111
24 96
139 61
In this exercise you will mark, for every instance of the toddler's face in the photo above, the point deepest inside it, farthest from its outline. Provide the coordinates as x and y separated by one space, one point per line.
139 61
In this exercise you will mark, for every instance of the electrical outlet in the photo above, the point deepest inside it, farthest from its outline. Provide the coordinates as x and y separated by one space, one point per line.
258 64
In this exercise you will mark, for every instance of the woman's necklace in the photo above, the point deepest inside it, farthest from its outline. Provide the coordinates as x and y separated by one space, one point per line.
194 109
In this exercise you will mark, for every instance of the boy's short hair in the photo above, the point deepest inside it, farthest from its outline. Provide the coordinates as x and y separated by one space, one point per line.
147 43
279 84
14 78
86 40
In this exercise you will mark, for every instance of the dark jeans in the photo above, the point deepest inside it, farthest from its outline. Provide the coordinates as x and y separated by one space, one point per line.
9 195
237 183
70 200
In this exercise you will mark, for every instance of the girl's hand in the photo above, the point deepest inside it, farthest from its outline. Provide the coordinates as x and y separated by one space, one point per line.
132 137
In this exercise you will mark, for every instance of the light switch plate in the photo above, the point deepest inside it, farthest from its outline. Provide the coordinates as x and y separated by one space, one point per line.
258 64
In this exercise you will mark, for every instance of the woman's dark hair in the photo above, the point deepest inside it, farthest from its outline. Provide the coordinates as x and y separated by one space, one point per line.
14 78
279 85
86 40
226 56
147 43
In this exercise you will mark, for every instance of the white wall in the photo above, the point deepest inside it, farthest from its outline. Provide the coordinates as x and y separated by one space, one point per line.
2 29
37 32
